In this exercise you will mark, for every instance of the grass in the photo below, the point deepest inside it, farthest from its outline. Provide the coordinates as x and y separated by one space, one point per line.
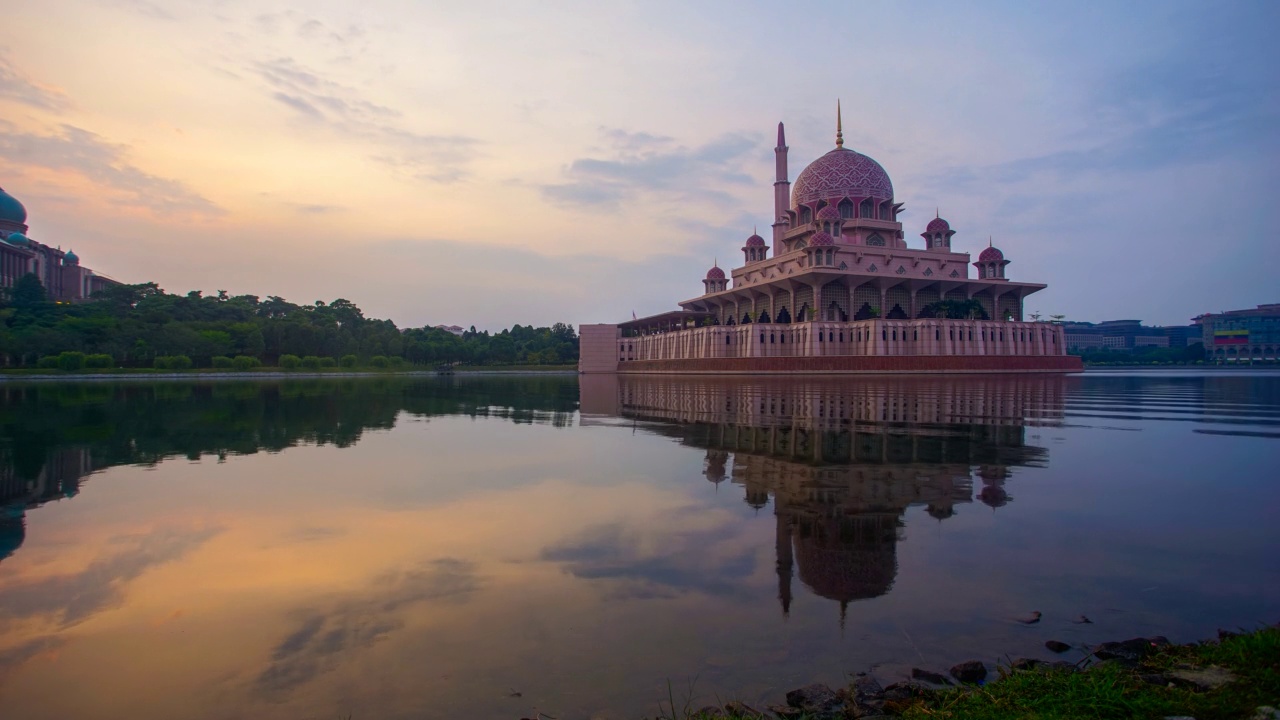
1112 690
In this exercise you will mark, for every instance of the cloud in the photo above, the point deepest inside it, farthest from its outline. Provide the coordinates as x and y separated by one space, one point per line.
103 162
339 108
70 599
17 87
645 164
143 7
625 141
681 564
19 654
314 209
322 637
286 76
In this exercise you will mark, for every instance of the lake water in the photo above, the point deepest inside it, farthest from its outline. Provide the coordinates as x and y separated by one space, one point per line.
496 547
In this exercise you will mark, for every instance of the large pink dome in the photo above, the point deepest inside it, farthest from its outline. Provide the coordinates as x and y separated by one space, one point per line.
755 241
821 239
715 273
839 174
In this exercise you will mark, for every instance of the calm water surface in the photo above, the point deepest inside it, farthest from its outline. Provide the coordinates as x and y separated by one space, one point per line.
429 548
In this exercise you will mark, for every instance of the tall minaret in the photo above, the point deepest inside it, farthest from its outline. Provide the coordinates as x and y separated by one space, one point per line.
781 193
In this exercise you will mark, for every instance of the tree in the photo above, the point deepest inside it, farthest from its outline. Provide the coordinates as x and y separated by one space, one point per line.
27 292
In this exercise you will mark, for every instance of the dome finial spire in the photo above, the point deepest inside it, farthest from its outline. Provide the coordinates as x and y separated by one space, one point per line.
988 241
937 212
839 126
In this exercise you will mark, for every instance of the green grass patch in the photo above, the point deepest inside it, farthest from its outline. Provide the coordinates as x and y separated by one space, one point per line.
1111 690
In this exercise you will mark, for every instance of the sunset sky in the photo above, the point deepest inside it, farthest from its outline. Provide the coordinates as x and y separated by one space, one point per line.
493 163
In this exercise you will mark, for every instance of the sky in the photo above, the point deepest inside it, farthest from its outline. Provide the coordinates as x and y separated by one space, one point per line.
486 163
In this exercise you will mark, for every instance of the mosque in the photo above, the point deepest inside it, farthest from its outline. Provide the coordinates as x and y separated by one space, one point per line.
61 273
838 289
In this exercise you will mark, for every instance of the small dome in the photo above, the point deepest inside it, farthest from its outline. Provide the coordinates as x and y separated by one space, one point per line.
11 209
821 239
71 257
991 254
841 173
17 238
828 213
938 225
715 273
755 241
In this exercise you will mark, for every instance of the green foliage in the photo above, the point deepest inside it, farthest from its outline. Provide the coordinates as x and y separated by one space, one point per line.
955 310
328 362
290 362
1188 355
222 362
311 362
99 361
136 324
27 291
245 362
173 362
71 361
48 362
379 361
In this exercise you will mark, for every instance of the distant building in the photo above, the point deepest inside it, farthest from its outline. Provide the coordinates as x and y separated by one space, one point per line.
455 329
1120 335
61 273
1082 336
1242 335
1182 335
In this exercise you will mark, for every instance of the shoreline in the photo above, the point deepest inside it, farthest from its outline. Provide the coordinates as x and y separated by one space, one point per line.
1235 676
266 375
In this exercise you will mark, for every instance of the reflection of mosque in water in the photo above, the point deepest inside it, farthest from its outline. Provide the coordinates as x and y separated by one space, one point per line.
59 476
842 460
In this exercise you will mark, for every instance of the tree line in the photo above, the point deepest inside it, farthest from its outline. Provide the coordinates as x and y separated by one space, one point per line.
143 326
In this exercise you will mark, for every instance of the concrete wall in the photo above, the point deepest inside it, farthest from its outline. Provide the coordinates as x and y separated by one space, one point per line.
597 348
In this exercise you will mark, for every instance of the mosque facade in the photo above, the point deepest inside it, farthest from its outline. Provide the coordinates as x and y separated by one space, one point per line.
63 277
838 289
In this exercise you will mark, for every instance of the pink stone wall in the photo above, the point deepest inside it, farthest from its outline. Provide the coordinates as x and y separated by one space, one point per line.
597 348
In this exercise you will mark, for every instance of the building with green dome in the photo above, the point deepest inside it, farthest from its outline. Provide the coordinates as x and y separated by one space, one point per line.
64 278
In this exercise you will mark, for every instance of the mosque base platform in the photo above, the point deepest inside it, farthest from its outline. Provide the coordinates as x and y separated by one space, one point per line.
858 364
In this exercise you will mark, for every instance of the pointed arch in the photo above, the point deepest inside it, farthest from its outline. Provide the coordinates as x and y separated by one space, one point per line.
784 317
764 316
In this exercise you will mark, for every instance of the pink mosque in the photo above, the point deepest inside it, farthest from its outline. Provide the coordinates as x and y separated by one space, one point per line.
839 291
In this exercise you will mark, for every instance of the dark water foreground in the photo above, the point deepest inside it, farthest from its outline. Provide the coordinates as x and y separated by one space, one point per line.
492 547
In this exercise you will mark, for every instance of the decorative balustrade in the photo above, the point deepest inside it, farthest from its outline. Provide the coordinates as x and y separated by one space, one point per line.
925 336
